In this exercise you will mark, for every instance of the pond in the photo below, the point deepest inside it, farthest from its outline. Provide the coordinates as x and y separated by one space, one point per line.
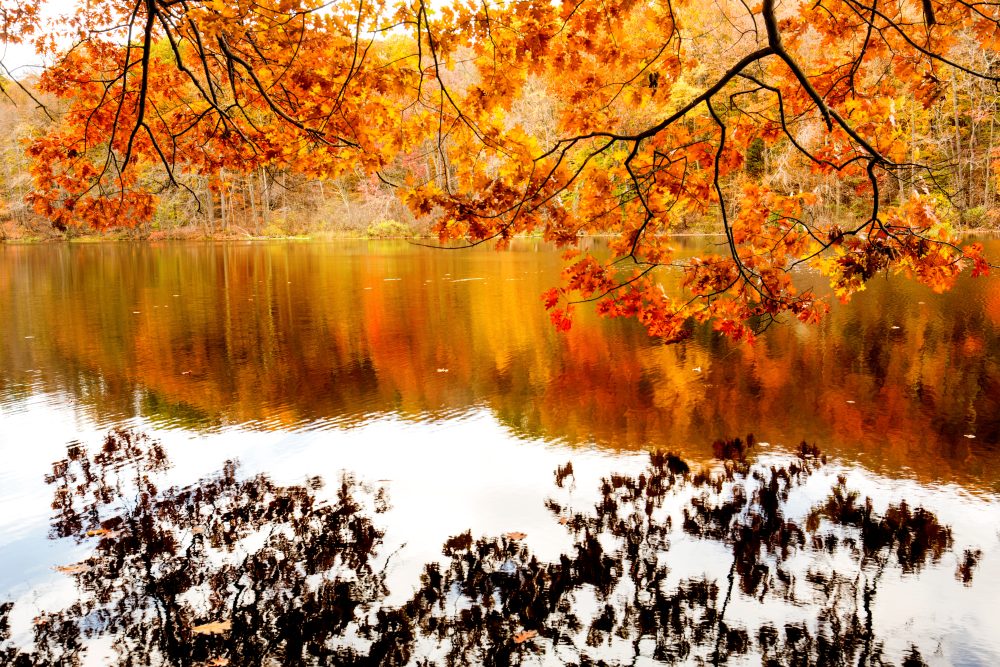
374 452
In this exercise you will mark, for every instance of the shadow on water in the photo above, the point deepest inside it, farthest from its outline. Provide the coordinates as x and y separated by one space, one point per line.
241 571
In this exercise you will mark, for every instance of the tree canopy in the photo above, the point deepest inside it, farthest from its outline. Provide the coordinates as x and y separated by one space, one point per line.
565 118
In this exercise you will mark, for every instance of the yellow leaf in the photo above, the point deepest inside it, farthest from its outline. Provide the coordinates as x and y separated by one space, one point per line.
99 532
212 628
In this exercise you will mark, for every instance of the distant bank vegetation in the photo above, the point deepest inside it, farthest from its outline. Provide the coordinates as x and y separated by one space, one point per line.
271 202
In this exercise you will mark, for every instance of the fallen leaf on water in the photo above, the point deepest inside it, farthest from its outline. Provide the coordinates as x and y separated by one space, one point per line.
76 568
212 628
563 520
442 370
851 402
969 436
515 535
522 637
97 532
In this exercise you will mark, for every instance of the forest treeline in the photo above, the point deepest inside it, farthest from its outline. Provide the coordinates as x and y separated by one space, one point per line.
952 132
268 201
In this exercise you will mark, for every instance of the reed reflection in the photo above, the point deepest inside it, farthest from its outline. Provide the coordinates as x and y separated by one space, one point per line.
239 570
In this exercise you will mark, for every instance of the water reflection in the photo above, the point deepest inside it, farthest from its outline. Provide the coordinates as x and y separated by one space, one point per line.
302 336
242 571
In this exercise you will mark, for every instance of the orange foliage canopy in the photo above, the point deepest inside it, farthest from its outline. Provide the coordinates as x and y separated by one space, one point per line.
562 118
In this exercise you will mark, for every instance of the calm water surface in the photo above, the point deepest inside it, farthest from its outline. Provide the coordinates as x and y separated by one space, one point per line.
434 382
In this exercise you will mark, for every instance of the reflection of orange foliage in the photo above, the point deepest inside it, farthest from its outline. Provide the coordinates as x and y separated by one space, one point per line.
992 306
973 344
283 335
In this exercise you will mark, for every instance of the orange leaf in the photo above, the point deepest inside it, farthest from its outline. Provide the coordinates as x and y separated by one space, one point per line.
522 637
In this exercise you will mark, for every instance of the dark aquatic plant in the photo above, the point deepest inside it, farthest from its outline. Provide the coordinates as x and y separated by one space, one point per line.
243 571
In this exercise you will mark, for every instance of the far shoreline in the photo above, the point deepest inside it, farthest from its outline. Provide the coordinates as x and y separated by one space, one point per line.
320 237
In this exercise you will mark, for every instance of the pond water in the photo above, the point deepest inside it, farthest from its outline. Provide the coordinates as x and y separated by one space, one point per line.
280 448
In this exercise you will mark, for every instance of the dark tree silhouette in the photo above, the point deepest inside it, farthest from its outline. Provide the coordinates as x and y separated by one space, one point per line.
242 571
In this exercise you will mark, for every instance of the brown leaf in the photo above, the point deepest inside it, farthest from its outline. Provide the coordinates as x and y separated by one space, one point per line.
522 637
515 535
76 568
212 628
